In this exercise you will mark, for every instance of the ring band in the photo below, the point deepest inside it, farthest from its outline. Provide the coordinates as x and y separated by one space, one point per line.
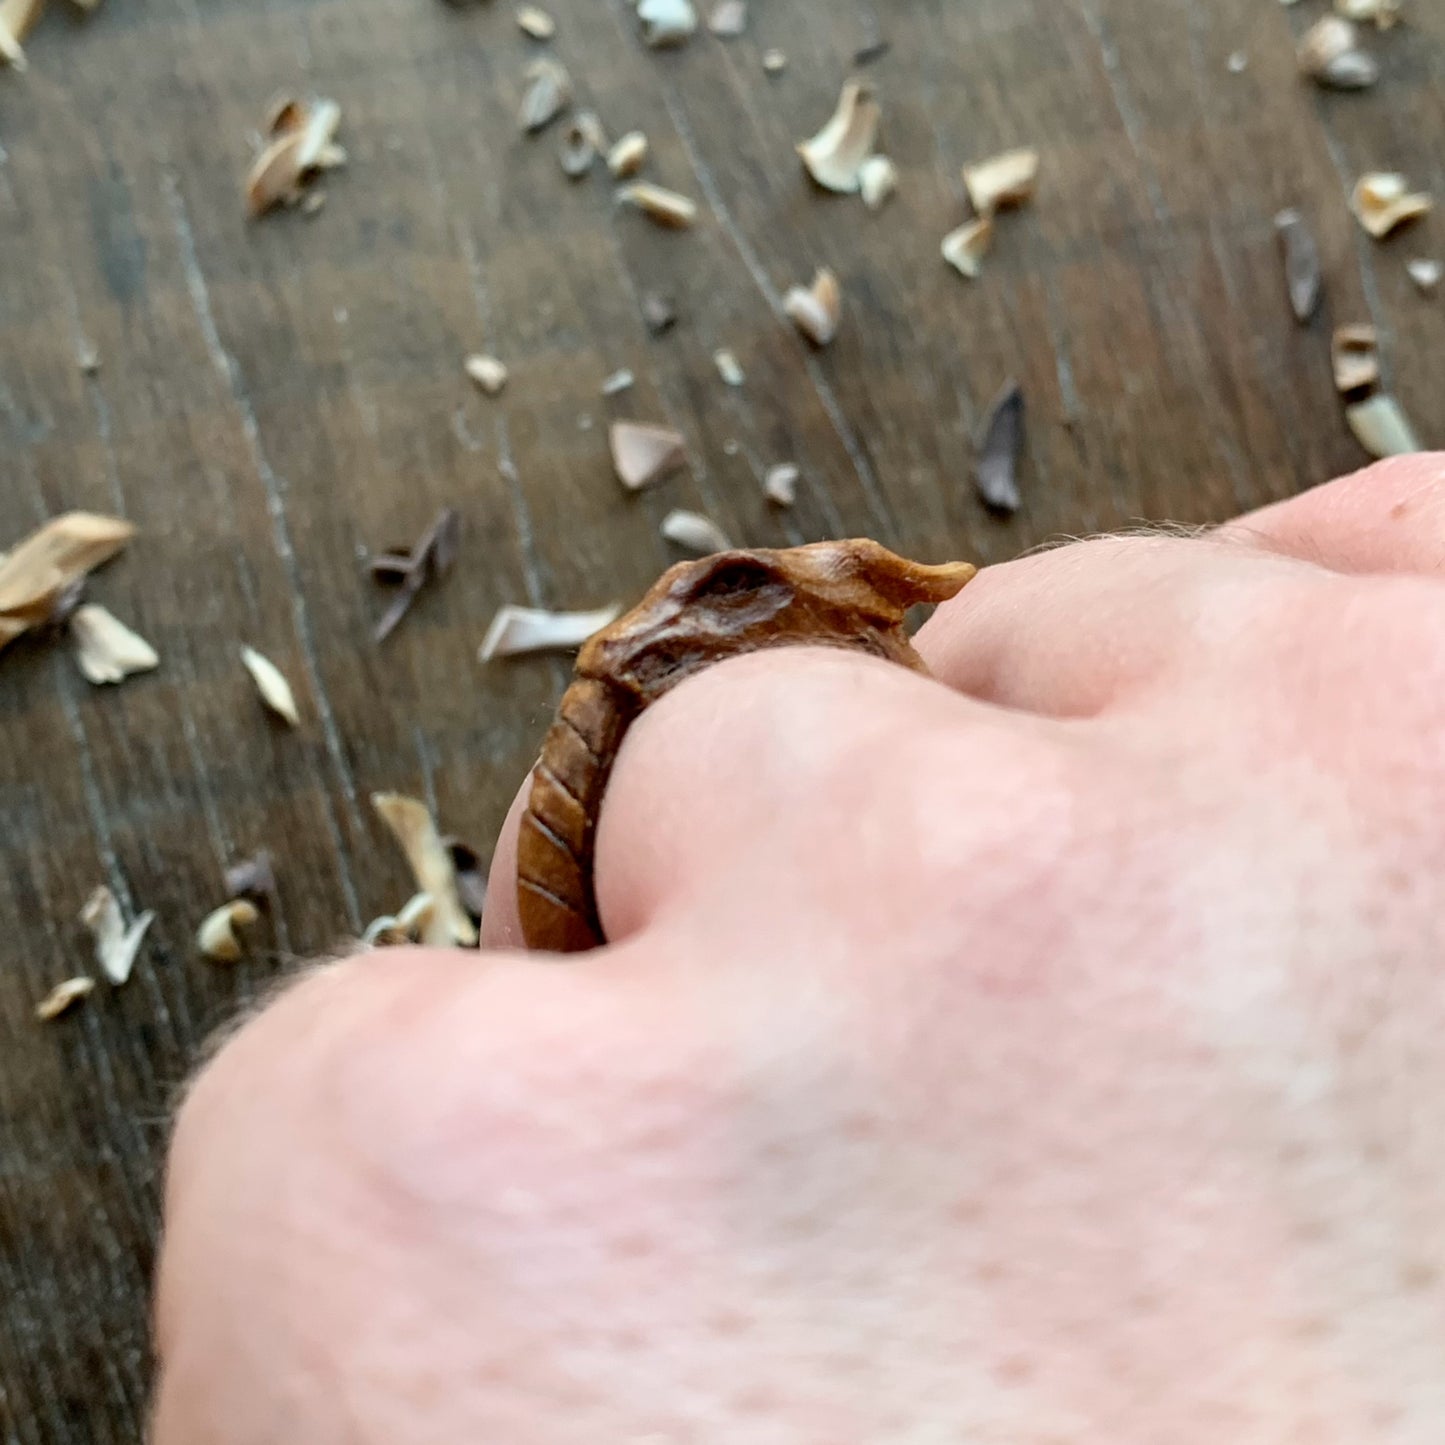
831 594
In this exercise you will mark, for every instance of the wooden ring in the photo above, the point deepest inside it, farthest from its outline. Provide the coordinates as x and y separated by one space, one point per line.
830 594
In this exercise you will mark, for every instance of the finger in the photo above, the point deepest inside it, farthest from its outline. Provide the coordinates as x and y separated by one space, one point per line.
797 769
1074 632
501 925
340 1188
1390 517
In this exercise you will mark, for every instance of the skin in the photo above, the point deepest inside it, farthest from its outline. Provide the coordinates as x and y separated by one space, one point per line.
1045 1054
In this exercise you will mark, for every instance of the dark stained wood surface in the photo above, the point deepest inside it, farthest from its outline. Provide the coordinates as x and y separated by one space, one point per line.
277 398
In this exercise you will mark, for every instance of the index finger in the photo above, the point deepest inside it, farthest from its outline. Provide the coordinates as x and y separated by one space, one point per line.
796 773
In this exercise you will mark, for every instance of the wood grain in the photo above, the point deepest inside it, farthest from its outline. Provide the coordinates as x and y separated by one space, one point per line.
276 398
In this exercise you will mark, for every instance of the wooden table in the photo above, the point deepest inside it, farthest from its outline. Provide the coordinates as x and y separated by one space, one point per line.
277 398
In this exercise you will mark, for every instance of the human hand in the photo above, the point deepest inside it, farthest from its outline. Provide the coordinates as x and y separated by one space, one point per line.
1046 1053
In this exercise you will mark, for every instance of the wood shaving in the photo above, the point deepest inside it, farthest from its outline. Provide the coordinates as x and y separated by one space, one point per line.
87 358
729 18
430 557
216 937
628 156
63 997
999 443
536 22
275 691
728 367
285 113
643 455
1304 279
516 631
313 203
487 372
411 925
1426 273
41 572
418 919
275 176
877 180
775 62
667 22
1331 55
116 946
103 920
965 248
1003 180
695 532
1383 13
431 864
658 313
1355 357
594 130
17 20
106 650
657 203
317 122
253 878
1382 202
1381 427
301 145
548 92
816 310
780 484
1238 62
578 151
619 381
836 154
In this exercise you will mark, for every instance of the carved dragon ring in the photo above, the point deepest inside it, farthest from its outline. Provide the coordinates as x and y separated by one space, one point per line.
831 594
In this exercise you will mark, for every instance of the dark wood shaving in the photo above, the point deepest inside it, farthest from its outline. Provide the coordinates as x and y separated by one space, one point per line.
875 47
253 877
1303 277
471 877
390 620
67 600
999 442
389 567
548 92
577 152
432 557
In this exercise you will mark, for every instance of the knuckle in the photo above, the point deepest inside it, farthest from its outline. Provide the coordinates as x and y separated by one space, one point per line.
275 1052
